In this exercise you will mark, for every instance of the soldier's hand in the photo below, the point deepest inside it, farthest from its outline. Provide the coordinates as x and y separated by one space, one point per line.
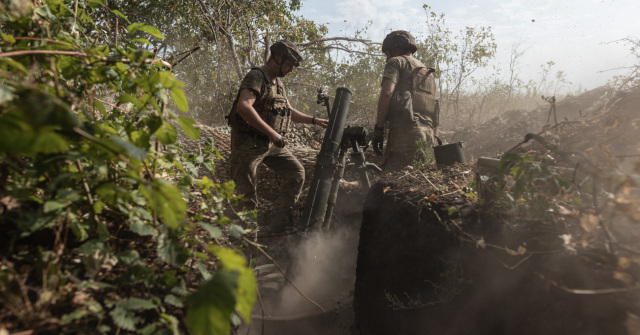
378 139
277 140
321 122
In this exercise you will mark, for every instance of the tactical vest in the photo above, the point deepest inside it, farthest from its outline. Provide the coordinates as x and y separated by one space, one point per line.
274 111
419 104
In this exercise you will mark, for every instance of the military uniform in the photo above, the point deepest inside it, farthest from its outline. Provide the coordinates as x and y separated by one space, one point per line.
250 148
404 130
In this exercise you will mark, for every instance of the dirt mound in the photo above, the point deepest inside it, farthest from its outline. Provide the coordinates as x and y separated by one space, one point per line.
550 246
598 109
424 267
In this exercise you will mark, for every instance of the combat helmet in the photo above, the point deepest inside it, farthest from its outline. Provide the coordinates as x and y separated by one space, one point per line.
288 49
400 39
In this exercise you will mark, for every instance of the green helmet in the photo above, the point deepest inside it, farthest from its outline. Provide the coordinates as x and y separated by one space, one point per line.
287 49
400 39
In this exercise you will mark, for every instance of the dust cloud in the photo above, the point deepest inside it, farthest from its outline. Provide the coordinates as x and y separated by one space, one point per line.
323 268
321 265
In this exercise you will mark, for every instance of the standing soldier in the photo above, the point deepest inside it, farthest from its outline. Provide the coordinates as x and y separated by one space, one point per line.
259 118
407 100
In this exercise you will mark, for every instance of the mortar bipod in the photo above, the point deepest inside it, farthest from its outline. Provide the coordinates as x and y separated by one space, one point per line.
356 139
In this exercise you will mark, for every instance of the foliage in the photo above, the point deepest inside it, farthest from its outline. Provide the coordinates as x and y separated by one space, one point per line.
632 79
232 37
425 160
524 185
94 184
455 57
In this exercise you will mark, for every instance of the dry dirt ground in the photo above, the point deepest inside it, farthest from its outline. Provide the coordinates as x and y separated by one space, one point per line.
440 257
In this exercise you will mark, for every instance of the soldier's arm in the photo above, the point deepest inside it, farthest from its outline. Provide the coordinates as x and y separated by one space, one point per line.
299 117
249 114
386 91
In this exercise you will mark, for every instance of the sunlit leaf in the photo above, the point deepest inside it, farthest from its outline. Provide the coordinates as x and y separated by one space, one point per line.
141 40
246 293
166 133
119 13
187 125
146 28
129 98
210 307
165 199
179 98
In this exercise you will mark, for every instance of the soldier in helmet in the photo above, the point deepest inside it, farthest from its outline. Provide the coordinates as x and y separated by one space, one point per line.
407 101
259 119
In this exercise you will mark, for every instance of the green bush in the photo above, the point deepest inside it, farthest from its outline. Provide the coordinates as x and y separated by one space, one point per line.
95 188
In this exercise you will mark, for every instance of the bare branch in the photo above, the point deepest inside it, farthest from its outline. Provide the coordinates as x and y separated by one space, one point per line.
346 39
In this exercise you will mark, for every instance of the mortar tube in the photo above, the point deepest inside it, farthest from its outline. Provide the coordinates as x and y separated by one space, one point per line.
326 162
335 185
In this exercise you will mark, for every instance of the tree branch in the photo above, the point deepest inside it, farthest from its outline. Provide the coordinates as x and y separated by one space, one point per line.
346 39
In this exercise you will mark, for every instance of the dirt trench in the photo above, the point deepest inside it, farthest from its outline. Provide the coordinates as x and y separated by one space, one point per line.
418 272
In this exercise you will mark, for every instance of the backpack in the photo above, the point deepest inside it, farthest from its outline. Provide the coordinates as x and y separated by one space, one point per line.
423 94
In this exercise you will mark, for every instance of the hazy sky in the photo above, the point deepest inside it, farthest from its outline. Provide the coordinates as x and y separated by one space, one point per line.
573 34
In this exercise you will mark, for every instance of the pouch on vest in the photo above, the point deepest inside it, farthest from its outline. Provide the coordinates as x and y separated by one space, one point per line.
276 114
401 108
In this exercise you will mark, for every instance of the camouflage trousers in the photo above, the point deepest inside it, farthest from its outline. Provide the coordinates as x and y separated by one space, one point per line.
401 146
247 153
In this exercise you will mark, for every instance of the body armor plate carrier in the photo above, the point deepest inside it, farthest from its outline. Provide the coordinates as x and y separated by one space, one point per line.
274 112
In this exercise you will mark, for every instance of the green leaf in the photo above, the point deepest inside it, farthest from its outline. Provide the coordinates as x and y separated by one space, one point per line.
124 318
203 270
166 133
179 98
64 199
246 293
119 13
130 257
79 230
173 300
452 210
73 316
48 142
187 125
215 232
226 189
146 28
52 205
140 138
8 38
164 198
236 231
6 93
97 104
130 148
141 40
211 306
10 64
129 98
141 228
172 322
138 304
152 31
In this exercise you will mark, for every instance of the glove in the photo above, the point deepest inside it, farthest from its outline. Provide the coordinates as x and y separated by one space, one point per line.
378 139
